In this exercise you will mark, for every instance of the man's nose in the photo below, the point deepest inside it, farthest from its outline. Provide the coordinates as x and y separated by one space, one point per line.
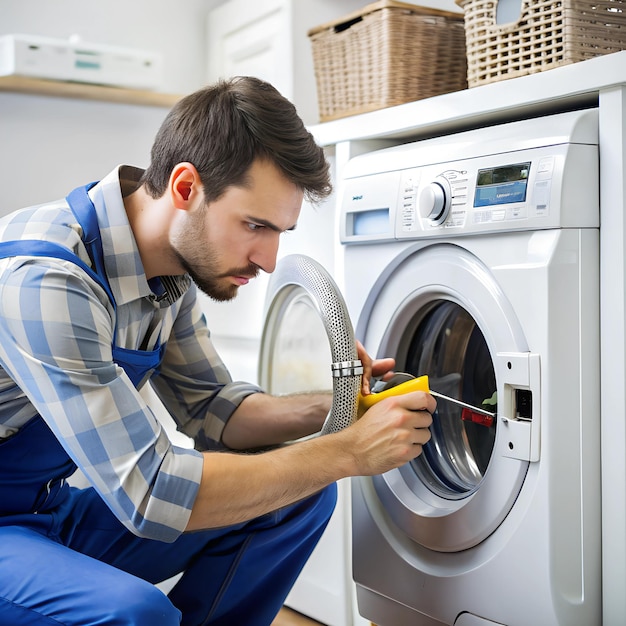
265 255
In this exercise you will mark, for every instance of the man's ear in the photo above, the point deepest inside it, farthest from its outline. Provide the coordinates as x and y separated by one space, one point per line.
185 186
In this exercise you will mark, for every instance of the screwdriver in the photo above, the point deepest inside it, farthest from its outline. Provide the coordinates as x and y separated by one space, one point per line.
410 383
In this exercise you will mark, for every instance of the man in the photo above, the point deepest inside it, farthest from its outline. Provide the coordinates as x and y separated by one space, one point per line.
98 297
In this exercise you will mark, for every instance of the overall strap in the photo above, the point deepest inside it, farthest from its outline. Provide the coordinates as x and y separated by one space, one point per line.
136 363
85 212
40 248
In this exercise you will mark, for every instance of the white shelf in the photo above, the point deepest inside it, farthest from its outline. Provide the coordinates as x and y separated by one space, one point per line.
562 88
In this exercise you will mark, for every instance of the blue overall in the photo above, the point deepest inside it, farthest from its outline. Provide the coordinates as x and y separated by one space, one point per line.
65 559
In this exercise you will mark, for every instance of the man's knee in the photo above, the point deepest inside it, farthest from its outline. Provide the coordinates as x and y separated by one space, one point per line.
318 509
143 603
328 500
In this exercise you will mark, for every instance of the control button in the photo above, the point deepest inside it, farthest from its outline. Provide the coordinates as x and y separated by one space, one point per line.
435 200
545 167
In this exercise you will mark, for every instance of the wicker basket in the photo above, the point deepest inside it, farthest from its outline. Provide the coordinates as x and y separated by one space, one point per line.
385 54
548 34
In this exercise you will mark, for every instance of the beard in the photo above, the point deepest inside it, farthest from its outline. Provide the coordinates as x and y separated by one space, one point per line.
192 248
214 284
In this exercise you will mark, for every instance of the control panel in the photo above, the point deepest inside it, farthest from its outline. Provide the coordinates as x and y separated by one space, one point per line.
539 187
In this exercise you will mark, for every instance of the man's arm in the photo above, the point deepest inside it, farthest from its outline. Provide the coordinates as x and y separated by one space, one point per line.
262 420
238 487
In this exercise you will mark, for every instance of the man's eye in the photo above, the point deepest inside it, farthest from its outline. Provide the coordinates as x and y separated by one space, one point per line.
252 226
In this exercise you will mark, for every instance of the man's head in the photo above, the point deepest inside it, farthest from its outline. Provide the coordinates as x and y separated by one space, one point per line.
223 244
233 163
223 128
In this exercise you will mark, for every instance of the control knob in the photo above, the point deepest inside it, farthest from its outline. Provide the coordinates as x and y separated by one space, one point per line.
435 200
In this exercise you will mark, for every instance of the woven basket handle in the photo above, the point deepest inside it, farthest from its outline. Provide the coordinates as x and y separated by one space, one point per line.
345 25
508 12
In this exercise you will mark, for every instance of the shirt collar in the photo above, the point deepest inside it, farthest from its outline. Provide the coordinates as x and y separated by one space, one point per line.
121 255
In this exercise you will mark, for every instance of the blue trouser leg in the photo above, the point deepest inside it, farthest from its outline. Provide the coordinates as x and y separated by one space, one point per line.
237 575
248 577
42 582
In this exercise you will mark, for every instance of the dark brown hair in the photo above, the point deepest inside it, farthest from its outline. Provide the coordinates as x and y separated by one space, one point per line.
221 129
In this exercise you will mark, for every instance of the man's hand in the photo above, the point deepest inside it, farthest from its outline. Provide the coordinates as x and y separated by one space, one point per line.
382 368
391 433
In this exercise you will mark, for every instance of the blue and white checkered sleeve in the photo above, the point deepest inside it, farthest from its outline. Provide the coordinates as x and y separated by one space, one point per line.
194 383
56 330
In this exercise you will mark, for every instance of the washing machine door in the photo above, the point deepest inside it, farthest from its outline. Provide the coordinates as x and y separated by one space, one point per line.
308 342
306 330
439 311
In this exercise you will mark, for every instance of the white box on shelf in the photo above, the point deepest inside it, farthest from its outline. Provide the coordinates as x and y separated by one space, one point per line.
77 61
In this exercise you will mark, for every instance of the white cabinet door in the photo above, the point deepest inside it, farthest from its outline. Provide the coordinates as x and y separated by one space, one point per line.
252 39
268 39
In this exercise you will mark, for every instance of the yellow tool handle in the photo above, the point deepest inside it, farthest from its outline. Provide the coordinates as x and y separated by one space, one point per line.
415 384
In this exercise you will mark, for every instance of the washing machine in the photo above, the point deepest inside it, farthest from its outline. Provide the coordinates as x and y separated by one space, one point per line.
474 259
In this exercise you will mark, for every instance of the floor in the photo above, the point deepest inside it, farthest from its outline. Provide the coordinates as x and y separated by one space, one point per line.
288 617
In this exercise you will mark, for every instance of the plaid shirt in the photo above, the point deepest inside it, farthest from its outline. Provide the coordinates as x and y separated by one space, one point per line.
56 333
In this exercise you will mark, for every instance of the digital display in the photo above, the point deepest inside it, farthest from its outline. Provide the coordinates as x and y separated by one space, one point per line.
374 222
501 185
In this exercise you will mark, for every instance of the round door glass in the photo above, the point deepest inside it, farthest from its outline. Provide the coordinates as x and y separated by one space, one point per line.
447 344
299 358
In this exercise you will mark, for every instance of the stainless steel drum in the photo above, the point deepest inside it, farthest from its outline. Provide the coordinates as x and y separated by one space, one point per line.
297 277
